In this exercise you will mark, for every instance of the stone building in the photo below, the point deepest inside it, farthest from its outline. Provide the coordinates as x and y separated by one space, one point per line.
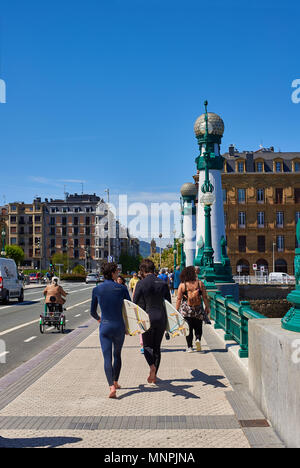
26 228
261 195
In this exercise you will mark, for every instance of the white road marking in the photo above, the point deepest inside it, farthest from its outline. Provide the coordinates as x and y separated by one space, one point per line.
78 315
4 354
5 332
87 310
50 328
30 339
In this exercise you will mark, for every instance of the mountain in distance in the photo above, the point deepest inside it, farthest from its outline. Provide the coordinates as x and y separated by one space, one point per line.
145 249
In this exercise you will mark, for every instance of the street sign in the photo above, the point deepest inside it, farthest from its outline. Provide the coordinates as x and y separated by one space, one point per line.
262 268
110 259
254 266
239 268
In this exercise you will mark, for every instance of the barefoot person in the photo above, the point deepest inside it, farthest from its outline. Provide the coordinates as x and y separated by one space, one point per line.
110 296
150 294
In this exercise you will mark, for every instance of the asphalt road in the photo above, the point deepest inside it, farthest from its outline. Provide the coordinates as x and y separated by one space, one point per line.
20 337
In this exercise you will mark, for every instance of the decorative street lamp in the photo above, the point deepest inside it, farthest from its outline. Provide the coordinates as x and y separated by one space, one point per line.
181 239
291 321
3 234
160 236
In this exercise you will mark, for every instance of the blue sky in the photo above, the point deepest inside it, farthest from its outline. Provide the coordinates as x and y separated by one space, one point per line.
107 91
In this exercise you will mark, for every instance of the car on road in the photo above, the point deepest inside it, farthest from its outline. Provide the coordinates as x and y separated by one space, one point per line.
11 285
34 277
278 277
92 278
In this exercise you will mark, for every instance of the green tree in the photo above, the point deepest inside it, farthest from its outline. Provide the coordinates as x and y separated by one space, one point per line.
62 259
130 263
79 270
167 259
15 252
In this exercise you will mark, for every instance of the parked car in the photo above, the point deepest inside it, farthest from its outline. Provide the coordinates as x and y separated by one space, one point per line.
11 284
279 277
34 277
92 278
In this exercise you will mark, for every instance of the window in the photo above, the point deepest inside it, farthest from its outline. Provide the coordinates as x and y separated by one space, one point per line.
87 220
261 219
241 195
52 243
76 254
242 243
260 195
65 242
261 243
64 231
13 219
75 231
76 221
37 219
87 231
279 219
297 195
13 240
259 166
280 243
278 166
88 242
13 230
13 208
278 196
297 167
52 221
242 219
52 231
64 221
76 243
240 167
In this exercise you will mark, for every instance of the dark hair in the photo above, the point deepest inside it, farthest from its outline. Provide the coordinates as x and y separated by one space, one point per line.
108 269
147 266
188 274
123 279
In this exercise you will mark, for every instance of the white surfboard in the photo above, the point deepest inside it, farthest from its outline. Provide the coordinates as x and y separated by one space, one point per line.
136 319
176 325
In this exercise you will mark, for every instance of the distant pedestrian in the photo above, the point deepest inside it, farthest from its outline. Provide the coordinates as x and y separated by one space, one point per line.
110 296
191 296
133 282
171 281
176 280
150 294
121 280
163 276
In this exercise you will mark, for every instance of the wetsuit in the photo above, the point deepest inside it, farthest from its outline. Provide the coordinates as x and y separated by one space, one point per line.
110 296
150 294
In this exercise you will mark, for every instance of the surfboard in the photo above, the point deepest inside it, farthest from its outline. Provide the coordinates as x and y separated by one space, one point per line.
136 319
176 325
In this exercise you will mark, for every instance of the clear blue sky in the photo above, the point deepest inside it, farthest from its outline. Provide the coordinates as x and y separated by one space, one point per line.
107 91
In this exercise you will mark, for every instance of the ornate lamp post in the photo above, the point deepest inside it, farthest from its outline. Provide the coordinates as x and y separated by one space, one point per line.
292 319
3 234
181 239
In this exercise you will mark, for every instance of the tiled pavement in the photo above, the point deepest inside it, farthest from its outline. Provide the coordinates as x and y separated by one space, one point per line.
60 400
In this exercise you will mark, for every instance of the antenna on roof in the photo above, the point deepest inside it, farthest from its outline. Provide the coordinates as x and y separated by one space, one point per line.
82 188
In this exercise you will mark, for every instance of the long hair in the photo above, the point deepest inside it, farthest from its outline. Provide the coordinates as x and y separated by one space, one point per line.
188 274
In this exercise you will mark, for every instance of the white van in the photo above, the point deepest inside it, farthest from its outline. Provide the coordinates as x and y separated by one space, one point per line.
10 285
279 277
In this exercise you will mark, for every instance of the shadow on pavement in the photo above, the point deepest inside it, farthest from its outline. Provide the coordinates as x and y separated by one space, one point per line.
179 390
50 442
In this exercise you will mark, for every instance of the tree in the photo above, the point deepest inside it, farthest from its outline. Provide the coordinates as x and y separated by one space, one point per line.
60 259
79 270
130 263
15 252
167 259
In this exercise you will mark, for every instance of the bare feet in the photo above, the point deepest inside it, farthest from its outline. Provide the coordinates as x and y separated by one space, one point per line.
152 375
117 386
113 393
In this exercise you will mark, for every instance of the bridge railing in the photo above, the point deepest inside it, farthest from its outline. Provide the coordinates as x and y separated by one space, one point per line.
233 319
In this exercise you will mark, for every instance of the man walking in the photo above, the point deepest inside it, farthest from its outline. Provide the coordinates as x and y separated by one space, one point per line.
150 294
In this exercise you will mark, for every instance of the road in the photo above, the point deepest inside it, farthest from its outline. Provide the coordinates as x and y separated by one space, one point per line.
20 337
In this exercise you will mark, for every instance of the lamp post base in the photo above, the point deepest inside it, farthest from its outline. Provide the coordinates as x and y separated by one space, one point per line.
291 321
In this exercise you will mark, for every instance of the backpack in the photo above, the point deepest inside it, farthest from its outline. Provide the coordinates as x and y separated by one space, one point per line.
194 298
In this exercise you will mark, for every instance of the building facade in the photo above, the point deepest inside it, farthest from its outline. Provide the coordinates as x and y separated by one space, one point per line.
26 228
261 196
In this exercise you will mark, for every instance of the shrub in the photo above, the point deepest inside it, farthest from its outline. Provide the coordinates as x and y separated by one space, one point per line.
75 278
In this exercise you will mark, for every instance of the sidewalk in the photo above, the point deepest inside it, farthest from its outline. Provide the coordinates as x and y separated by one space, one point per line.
59 399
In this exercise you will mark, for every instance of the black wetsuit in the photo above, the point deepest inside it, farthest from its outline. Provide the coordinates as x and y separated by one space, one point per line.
150 294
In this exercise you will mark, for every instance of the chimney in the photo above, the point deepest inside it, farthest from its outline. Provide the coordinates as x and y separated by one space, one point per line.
231 150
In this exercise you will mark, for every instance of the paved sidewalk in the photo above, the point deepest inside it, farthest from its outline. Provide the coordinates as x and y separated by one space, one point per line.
65 404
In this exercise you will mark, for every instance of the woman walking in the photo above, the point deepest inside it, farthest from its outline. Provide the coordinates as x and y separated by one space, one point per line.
191 296
110 295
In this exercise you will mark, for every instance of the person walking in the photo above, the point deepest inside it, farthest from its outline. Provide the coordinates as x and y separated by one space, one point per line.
133 282
171 281
150 294
176 280
191 296
110 295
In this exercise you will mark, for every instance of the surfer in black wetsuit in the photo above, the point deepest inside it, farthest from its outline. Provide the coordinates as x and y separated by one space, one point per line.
150 294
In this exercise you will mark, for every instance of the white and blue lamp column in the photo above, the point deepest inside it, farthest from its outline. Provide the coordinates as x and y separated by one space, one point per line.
189 194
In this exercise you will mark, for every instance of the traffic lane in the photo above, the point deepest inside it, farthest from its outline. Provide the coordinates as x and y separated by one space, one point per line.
17 314
23 344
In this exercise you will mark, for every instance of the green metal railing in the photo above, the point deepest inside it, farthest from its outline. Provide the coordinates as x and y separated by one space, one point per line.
233 319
